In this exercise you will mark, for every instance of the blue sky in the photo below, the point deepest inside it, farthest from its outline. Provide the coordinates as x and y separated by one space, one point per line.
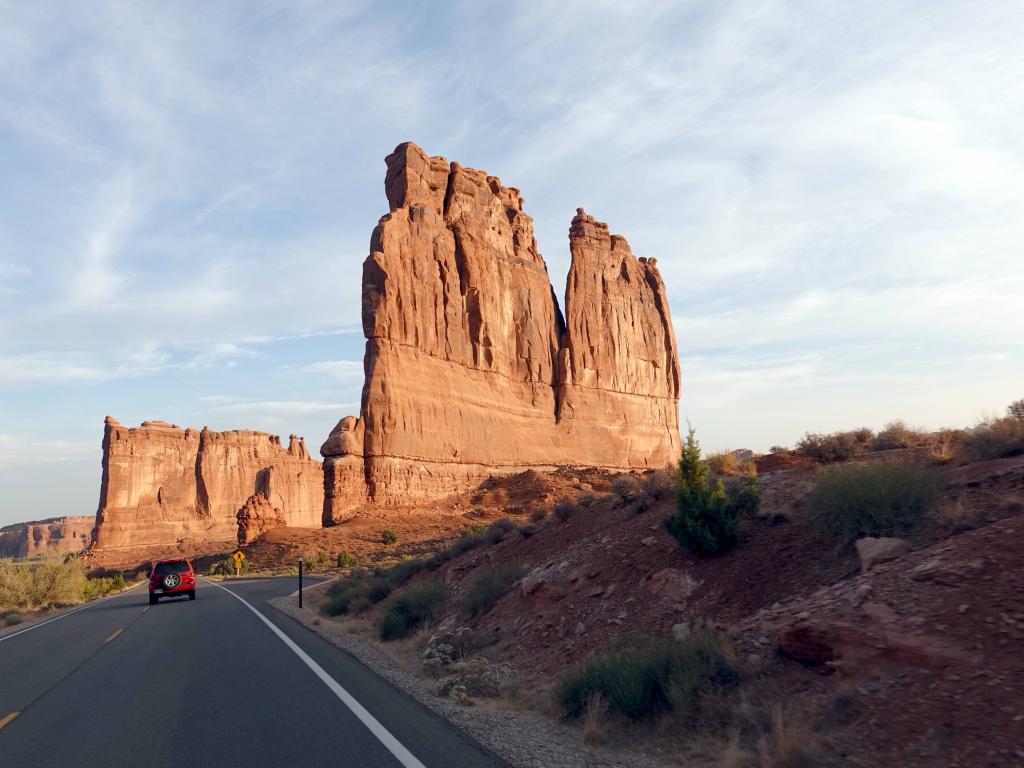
834 193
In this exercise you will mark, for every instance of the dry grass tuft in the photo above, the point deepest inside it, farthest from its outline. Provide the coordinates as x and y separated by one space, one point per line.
595 720
789 743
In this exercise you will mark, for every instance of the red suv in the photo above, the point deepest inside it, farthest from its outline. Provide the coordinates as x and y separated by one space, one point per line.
172 578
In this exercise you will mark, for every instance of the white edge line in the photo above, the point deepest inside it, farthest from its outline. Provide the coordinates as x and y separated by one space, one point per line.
393 745
64 615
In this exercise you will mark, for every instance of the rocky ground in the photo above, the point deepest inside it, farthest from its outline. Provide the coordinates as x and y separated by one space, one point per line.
917 662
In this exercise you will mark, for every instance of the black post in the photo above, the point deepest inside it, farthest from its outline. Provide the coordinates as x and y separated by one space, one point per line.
300 582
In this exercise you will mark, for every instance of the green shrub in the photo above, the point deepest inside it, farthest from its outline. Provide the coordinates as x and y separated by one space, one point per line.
707 519
9 618
409 610
642 677
995 439
100 586
52 581
496 531
388 537
487 588
346 560
884 499
400 573
587 500
564 509
538 516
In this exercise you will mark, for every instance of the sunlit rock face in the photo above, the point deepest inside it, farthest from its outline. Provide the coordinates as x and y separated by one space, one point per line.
56 535
162 483
471 367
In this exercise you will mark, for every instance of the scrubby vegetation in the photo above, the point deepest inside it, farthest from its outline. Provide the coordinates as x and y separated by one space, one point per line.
388 537
880 499
625 487
487 588
641 677
409 610
564 509
346 560
729 464
707 520
496 531
659 484
51 582
227 567
996 438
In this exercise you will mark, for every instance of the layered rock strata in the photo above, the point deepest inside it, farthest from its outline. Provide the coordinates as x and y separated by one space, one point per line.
471 368
56 535
162 483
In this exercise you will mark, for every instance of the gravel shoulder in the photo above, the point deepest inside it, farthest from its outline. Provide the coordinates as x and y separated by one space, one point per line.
521 739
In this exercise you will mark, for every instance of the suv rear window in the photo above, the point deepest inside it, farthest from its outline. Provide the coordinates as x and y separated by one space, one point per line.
179 566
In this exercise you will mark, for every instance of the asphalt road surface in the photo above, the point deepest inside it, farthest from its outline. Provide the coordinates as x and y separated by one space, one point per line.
206 683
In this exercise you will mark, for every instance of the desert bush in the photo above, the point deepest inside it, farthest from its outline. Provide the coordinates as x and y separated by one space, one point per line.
827 449
778 449
444 648
9 618
1015 410
707 519
496 531
315 561
475 677
885 499
488 587
659 484
587 500
400 573
624 486
529 530
641 677
409 610
896 434
728 464
538 516
100 586
226 567
388 537
995 439
564 509
346 560
52 581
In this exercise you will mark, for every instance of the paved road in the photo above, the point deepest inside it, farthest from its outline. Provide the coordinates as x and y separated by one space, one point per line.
206 683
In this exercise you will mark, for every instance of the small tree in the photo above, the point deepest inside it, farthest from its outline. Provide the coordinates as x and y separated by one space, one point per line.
708 519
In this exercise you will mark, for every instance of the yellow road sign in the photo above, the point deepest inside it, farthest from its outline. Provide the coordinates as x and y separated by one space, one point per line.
239 556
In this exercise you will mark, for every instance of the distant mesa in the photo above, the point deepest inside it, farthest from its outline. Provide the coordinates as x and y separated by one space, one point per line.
472 370
56 535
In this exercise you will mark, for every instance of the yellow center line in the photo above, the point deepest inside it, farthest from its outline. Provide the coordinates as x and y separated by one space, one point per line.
145 609
118 632
7 718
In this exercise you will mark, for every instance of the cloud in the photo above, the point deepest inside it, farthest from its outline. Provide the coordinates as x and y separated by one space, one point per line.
279 408
338 370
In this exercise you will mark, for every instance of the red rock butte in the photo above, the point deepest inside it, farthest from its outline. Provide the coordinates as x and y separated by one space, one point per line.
471 368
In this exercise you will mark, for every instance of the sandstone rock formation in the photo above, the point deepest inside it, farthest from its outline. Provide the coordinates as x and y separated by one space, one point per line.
256 517
56 535
471 368
162 483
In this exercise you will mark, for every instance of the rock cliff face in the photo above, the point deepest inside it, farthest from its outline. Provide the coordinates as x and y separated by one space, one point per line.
57 535
162 483
472 370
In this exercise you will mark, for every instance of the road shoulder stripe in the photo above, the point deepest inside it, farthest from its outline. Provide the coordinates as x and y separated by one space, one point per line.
7 718
384 736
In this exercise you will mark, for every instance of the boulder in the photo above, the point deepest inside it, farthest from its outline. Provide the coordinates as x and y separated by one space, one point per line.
256 517
872 550
672 584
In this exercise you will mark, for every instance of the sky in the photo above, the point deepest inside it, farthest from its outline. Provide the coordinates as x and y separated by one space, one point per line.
834 192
